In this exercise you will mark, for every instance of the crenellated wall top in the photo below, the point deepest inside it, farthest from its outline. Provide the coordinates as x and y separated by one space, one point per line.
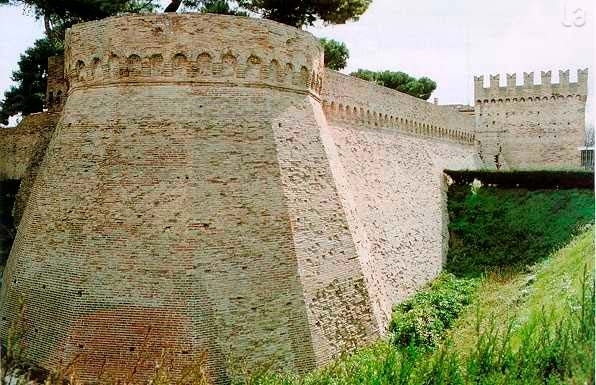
529 91
195 48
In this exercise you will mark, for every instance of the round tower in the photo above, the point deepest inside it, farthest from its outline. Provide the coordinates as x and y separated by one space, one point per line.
186 207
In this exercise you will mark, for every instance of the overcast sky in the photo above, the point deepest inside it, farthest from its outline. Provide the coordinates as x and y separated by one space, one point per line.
446 40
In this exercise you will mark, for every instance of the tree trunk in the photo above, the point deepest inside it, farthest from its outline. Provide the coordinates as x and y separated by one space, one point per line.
173 6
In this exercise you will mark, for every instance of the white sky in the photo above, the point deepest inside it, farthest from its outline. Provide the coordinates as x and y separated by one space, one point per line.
446 40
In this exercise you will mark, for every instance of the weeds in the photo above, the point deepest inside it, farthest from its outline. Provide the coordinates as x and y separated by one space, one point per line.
547 349
422 320
14 368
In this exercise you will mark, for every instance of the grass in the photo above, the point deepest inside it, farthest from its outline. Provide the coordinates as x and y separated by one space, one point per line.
520 329
493 228
550 284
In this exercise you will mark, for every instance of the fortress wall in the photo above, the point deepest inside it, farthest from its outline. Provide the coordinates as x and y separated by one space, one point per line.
18 145
532 126
182 239
185 203
211 188
394 183
57 88
397 189
361 102
336 294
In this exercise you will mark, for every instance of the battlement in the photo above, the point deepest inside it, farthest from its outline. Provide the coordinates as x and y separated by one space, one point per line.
353 101
116 50
529 91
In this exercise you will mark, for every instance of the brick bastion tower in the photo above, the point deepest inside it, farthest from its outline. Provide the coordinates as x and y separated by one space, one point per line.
186 204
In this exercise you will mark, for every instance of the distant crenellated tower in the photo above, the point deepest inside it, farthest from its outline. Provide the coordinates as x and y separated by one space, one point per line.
530 125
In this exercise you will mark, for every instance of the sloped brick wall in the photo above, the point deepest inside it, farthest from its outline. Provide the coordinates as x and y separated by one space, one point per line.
391 150
185 203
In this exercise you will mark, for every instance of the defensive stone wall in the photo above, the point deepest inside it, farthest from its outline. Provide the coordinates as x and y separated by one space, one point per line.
202 184
361 102
389 171
185 202
18 145
532 125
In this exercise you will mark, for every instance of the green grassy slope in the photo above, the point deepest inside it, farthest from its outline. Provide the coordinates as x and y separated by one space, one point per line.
522 289
546 300
533 327
491 227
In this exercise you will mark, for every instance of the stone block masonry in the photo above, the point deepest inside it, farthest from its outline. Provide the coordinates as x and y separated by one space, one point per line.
185 202
531 126
201 183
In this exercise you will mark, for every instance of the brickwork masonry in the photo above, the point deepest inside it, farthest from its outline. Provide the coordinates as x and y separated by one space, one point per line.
193 207
202 183
531 126
390 151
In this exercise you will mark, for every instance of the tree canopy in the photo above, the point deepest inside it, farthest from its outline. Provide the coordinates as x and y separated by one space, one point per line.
59 15
28 94
295 12
400 81
336 54
83 9
225 7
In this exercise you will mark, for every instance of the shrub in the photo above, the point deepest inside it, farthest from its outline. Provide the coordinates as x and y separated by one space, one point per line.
532 180
422 320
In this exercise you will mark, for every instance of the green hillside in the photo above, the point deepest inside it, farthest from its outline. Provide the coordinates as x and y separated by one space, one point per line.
494 228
